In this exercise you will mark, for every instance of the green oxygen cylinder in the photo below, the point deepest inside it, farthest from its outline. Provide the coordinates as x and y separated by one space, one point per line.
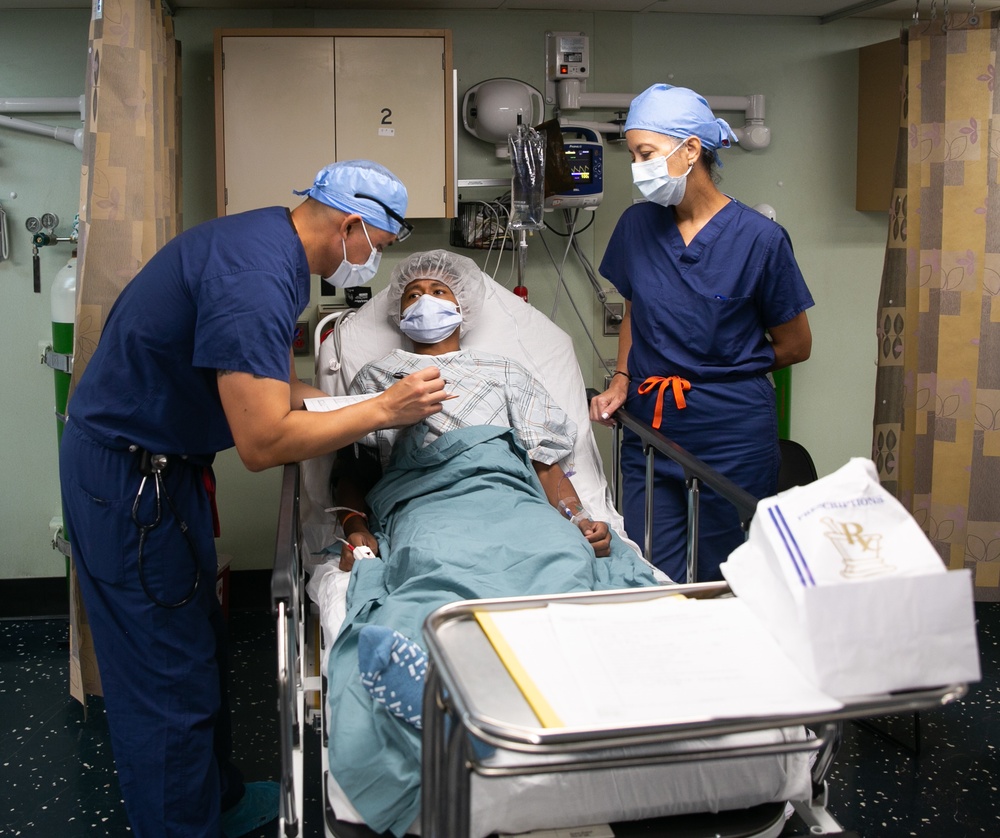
63 302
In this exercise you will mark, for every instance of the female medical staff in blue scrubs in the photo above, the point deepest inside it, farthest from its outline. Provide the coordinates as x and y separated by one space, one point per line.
195 357
714 301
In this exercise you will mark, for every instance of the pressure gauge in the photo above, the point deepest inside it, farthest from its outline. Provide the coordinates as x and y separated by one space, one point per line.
32 224
50 221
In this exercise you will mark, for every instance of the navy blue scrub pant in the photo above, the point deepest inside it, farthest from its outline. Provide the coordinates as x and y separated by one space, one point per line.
731 427
164 671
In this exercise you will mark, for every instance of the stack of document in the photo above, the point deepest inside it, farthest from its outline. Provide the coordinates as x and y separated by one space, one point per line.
651 662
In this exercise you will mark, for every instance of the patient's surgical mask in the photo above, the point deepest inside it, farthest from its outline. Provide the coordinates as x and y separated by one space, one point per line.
348 274
430 320
657 184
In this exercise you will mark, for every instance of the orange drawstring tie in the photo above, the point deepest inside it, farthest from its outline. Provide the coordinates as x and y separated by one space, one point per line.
678 384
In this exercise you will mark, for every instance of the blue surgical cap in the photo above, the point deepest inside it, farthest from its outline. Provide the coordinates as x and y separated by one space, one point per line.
679 112
337 185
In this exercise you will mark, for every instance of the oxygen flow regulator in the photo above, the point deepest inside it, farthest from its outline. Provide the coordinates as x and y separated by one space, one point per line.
43 234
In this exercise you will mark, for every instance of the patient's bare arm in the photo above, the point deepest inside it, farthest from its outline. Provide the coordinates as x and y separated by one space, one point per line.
558 487
354 473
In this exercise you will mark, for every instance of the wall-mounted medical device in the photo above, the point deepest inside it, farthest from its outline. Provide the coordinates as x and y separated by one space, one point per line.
42 235
567 91
584 152
567 55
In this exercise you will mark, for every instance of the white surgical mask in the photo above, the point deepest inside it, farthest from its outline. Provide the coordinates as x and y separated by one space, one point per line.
348 274
657 184
430 320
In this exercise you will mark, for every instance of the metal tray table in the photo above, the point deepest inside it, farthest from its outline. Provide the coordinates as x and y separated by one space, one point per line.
469 692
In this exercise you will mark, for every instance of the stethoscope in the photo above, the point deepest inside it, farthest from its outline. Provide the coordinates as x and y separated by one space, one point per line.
153 466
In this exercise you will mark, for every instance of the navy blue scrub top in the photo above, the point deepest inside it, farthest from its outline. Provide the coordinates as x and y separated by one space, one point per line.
224 295
700 310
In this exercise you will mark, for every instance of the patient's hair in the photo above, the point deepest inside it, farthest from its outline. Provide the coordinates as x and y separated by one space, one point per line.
459 273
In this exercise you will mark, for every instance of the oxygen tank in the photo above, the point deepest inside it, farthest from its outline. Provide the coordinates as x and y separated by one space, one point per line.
63 301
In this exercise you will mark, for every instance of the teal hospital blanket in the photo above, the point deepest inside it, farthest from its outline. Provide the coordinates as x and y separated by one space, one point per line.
462 518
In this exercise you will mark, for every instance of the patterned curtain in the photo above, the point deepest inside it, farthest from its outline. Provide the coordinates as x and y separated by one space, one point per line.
937 406
129 195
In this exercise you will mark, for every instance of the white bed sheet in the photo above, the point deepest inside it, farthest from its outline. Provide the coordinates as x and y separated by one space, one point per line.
509 326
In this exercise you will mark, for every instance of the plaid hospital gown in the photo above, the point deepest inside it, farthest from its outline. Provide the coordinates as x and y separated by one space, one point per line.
491 390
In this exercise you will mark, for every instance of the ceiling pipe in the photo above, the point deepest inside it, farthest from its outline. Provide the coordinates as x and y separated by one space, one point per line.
66 135
847 11
52 104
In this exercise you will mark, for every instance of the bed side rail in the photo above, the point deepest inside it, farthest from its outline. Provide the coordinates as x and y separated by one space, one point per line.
286 605
285 575
696 474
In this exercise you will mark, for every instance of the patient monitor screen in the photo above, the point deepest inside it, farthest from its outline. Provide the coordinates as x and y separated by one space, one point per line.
581 164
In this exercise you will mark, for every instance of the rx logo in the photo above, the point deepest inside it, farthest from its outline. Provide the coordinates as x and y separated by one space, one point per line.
859 551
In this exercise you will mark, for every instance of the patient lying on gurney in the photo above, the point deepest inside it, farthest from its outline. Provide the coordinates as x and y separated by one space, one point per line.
466 508
438 296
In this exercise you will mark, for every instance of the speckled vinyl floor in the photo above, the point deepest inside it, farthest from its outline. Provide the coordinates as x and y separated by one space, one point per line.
57 774
951 789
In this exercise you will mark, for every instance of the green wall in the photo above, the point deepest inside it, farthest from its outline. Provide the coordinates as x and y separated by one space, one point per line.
807 72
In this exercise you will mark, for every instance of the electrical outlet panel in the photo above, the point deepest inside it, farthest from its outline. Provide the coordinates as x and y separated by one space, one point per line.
300 340
614 313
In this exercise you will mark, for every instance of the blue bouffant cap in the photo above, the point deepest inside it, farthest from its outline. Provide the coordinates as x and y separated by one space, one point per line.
337 185
679 112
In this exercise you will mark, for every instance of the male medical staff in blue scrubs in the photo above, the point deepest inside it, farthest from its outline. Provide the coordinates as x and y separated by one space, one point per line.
195 357
714 301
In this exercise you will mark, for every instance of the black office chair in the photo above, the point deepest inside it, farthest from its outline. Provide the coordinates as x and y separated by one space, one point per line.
797 467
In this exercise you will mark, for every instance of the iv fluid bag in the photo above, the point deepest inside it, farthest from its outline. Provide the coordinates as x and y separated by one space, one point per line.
527 197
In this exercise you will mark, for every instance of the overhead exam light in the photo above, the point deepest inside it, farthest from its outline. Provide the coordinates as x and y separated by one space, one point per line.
490 110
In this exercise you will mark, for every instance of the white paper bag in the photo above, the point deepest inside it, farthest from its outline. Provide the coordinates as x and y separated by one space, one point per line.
849 585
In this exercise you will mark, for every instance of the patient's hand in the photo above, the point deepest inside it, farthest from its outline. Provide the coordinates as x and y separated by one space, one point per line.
358 538
599 536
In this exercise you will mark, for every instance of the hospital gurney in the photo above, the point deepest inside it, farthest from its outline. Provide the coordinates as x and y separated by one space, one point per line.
301 678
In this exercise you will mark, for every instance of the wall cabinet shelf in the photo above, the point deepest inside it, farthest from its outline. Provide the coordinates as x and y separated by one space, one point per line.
289 102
